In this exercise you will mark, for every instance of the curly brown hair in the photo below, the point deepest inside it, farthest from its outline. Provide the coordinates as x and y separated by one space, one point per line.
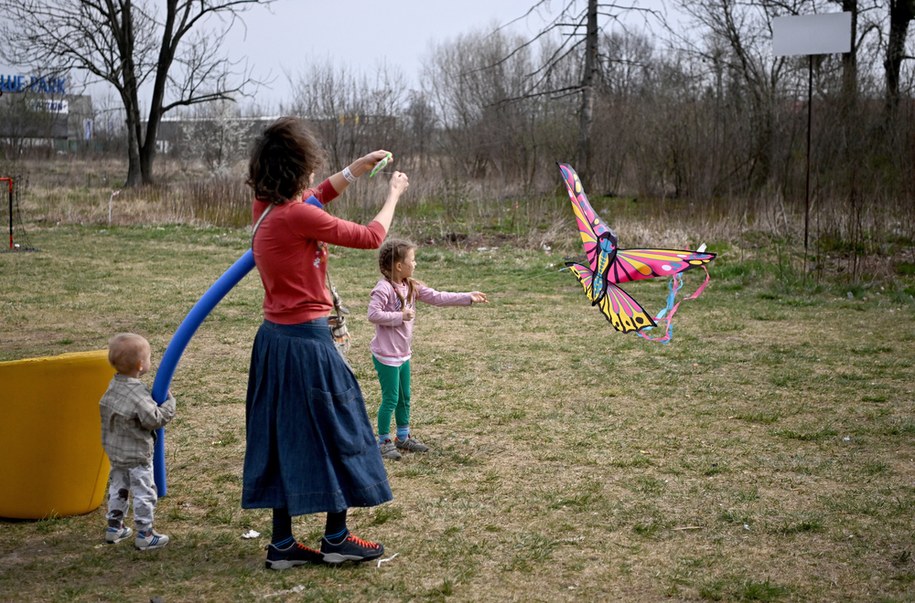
283 160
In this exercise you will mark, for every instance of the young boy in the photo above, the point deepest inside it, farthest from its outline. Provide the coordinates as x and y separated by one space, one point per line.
129 417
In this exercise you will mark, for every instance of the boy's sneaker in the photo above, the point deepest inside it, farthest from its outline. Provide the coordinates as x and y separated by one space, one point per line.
293 555
352 548
149 540
411 444
389 451
115 535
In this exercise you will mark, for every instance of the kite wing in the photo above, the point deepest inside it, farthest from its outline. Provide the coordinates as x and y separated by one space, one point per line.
623 312
597 238
585 276
601 244
608 265
638 264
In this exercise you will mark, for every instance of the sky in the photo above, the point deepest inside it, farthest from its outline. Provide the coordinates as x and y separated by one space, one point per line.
284 38
287 36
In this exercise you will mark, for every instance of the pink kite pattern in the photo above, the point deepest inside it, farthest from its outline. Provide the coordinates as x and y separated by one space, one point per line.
607 265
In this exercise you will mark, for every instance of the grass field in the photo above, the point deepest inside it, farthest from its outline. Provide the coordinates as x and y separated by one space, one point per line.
766 454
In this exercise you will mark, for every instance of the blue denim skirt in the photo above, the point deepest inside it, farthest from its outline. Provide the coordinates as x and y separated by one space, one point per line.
310 445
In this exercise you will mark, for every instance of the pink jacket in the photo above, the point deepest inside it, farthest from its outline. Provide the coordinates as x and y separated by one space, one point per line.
394 337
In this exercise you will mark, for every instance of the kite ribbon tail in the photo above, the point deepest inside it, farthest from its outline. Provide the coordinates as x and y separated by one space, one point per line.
672 308
667 313
176 346
693 295
701 287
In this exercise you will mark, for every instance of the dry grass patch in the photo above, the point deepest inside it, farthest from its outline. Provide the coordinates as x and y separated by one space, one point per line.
766 454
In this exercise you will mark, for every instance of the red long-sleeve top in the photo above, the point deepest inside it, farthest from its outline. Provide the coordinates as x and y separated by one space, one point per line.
290 250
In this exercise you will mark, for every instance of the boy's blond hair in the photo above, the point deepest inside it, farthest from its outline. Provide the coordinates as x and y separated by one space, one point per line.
125 351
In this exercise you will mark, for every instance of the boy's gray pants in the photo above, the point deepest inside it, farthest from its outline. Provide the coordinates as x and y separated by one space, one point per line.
138 482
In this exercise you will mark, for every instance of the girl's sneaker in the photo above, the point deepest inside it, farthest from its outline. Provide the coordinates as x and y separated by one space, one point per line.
411 444
150 539
295 554
115 535
389 451
352 548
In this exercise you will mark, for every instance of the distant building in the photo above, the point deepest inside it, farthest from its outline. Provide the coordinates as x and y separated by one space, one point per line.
177 131
38 112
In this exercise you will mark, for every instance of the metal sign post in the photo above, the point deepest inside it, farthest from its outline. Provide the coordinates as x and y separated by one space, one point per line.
809 35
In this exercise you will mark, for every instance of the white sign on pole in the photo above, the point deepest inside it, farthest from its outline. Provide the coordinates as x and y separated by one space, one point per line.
811 34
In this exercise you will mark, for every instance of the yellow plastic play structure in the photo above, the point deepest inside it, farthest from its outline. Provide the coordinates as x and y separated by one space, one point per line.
51 458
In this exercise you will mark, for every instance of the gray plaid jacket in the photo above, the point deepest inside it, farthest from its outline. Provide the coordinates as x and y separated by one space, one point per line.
129 416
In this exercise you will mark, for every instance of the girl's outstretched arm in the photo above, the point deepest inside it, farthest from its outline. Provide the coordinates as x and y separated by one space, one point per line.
428 295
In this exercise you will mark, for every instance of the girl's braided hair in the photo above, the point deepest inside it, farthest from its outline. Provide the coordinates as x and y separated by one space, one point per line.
282 160
391 252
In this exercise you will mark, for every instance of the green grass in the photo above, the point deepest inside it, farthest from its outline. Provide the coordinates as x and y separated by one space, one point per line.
764 455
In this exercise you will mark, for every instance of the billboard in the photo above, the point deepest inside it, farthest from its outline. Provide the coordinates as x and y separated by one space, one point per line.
811 34
33 83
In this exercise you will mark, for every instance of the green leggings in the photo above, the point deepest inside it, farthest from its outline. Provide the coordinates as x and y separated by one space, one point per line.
395 395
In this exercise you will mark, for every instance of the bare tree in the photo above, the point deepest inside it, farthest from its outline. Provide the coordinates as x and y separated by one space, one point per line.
902 12
130 44
351 113
217 134
469 83
420 124
577 24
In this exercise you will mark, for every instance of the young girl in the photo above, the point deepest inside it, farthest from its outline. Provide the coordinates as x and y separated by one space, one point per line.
310 447
392 310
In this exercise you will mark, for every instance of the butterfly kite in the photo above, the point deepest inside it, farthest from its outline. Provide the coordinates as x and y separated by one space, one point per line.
607 265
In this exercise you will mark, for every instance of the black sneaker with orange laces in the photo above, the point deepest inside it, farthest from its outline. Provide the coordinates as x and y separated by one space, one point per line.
293 555
351 548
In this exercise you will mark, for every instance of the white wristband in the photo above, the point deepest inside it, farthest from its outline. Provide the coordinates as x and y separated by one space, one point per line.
348 175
